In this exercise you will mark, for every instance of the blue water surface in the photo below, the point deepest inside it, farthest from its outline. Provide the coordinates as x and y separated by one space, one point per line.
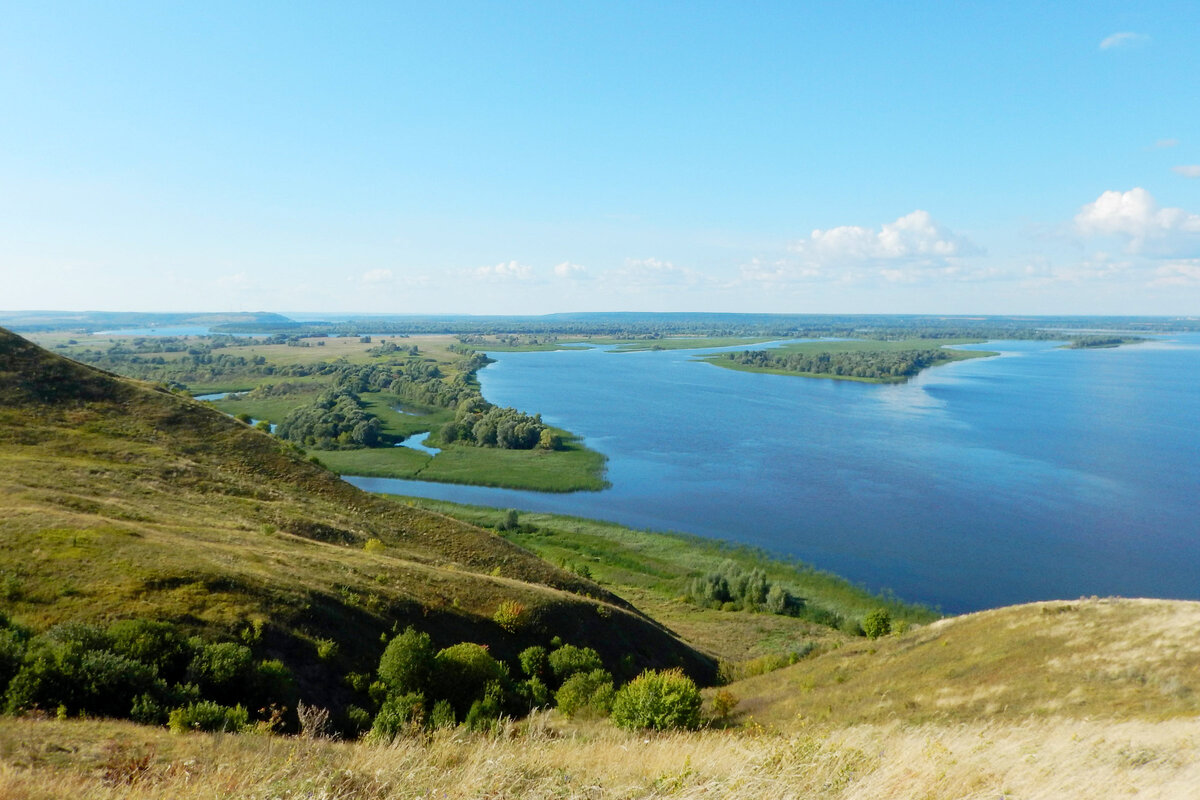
1042 473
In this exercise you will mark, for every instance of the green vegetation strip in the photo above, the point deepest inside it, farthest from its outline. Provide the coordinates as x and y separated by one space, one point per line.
665 564
571 468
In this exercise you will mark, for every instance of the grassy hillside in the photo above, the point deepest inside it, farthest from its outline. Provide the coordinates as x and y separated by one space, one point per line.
121 500
1108 658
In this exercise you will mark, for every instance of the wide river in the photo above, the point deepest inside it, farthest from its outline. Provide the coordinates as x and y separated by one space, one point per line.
1042 473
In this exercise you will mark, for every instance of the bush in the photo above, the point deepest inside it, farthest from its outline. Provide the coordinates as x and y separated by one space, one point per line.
464 671
658 700
534 693
223 671
399 713
534 661
442 715
208 716
877 623
158 644
586 694
510 616
569 659
484 713
407 663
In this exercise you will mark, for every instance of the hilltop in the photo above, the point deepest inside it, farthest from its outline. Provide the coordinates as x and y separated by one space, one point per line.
120 499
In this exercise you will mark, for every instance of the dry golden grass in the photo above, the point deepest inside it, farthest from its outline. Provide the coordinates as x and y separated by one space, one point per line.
1099 657
85 760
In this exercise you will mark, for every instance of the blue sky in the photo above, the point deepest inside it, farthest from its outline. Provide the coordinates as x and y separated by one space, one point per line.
543 157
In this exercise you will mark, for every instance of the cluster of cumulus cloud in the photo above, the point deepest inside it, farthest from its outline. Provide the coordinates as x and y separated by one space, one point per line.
1119 232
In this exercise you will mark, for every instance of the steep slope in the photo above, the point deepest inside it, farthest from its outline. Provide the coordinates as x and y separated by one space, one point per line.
1108 658
119 499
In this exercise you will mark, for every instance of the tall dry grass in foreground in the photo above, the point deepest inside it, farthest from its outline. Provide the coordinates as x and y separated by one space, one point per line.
1035 759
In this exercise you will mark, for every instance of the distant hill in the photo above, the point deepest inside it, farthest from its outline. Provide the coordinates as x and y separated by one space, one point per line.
107 320
120 499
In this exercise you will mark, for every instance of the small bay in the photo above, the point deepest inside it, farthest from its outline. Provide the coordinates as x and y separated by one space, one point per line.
1041 473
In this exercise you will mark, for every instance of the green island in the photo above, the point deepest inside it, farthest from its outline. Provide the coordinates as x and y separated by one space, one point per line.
868 361
1103 341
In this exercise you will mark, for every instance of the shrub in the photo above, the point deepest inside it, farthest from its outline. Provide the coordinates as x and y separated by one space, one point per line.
12 653
399 713
569 659
374 545
358 721
327 649
407 663
723 704
586 694
510 616
534 661
877 623
464 671
442 715
223 671
273 683
535 693
485 711
658 700
208 716
147 710
151 642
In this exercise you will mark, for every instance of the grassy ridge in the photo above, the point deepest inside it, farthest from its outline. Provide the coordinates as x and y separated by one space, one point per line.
1112 658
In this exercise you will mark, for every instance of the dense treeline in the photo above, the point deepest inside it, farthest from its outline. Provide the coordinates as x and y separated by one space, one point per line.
885 365
482 424
335 420
144 670
420 687
731 587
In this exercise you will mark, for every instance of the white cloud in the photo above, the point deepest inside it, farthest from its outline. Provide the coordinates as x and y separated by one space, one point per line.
1178 273
504 271
914 235
1123 39
653 273
376 276
568 269
1136 216
913 249
1164 143
1187 170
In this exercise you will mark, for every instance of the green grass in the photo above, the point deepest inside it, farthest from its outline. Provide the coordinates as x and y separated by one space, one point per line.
854 346
571 469
272 409
652 570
